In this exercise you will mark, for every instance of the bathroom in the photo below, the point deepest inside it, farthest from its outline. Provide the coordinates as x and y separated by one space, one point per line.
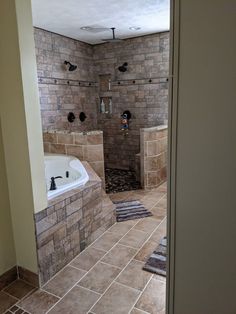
104 112
100 93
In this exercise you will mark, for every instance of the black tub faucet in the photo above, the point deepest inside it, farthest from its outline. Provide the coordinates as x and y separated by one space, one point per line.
53 183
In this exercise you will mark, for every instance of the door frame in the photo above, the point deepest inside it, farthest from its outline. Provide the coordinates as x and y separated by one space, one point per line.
172 153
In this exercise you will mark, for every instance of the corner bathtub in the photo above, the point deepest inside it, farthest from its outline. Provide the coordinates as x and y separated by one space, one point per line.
61 165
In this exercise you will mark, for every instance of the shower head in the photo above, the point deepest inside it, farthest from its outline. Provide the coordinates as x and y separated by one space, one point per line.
123 68
71 67
114 39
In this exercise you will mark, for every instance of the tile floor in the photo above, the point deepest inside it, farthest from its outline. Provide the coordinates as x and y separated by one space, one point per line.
107 277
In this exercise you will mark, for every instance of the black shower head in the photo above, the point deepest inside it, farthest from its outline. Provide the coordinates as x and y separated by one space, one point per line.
123 68
71 66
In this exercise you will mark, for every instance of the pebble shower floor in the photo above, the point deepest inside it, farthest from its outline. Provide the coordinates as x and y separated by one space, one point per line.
118 180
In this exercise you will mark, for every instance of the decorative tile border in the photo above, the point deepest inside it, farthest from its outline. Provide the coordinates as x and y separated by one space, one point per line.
59 81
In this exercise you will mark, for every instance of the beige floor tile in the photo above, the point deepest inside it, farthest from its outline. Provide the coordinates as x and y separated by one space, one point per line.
100 277
132 222
121 228
147 225
120 196
158 213
107 241
146 251
118 299
159 233
38 302
159 277
162 203
134 238
119 256
6 302
88 258
133 275
152 299
64 281
19 289
77 301
137 311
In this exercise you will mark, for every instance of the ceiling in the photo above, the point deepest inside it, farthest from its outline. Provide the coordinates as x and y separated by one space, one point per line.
67 17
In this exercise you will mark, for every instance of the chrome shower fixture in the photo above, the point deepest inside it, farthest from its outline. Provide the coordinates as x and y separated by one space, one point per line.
71 66
123 68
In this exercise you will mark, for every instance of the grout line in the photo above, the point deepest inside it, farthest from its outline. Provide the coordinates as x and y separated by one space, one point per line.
101 261
77 268
54 295
106 231
90 268
88 289
114 280
10 295
141 293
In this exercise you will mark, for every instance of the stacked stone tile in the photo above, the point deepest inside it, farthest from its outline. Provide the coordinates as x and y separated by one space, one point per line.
147 57
87 146
70 223
153 156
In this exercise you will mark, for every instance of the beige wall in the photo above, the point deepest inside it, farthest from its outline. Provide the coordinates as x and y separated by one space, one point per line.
21 126
7 249
205 203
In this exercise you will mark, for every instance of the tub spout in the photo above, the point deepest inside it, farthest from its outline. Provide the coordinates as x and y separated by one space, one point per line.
53 183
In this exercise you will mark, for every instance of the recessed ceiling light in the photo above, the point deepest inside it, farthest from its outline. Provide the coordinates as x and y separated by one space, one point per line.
135 28
85 28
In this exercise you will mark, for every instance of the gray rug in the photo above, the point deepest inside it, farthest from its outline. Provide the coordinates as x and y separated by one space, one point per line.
127 210
157 261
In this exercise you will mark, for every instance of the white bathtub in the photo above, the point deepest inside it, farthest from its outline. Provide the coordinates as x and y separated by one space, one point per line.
58 165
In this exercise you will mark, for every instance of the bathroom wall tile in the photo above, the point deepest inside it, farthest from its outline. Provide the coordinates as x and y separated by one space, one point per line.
49 137
75 150
65 138
80 139
57 149
93 153
95 139
71 225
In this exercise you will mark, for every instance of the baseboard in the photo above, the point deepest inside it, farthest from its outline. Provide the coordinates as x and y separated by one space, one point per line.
18 272
28 276
8 277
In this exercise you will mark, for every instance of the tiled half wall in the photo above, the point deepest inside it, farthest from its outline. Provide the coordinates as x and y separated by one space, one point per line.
87 146
70 223
153 156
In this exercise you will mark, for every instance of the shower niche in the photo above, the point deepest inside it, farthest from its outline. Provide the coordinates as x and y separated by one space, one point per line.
105 94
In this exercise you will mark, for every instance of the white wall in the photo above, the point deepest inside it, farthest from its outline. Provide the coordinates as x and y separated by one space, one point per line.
7 249
21 126
204 278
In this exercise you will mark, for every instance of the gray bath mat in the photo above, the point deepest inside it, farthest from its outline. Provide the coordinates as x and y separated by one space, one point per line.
127 210
157 261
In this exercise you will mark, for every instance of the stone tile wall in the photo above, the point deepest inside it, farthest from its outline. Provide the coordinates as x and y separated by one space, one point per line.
57 96
148 58
71 222
87 146
153 156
